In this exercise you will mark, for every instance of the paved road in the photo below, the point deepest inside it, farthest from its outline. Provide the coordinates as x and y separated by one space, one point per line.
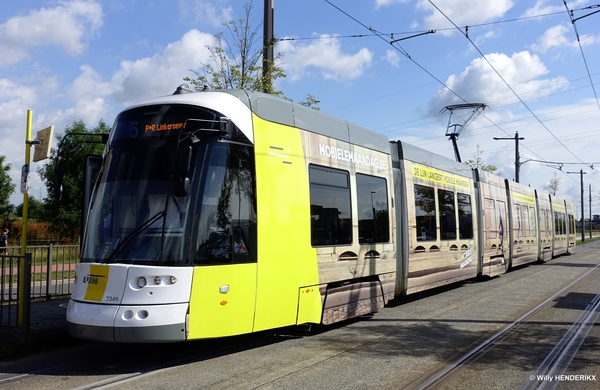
403 346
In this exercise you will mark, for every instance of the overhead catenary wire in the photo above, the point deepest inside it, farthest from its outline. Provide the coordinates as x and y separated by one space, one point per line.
377 33
424 31
573 20
490 103
506 83
400 49
382 36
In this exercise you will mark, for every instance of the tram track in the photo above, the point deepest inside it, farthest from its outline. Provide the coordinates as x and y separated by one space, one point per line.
104 358
172 364
126 366
556 362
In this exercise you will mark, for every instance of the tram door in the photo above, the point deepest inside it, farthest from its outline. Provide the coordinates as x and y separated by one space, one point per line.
224 282
222 301
496 241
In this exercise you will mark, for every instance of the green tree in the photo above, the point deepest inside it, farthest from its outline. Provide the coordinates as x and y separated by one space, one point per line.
479 164
238 62
552 186
65 214
36 210
7 187
311 102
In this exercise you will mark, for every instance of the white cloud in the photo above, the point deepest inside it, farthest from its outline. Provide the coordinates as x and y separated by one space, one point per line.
327 56
462 13
68 25
89 82
392 57
93 99
206 11
487 36
478 83
558 36
553 37
543 7
16 96
162 73
15 99
89 110
385 3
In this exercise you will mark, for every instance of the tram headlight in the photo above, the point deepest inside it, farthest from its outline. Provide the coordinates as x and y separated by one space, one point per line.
142 282
157 280
173 280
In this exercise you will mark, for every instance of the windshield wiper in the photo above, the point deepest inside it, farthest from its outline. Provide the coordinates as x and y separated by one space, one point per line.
134 233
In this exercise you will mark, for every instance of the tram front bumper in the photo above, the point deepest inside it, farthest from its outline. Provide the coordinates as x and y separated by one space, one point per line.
127 324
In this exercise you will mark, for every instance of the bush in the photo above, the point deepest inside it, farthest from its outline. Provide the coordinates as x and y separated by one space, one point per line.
38 233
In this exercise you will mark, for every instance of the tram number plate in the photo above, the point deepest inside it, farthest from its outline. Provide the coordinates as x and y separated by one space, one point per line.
110 298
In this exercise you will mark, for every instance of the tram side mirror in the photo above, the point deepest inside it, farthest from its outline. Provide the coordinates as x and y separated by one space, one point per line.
225 126
182 183
59 173
181 187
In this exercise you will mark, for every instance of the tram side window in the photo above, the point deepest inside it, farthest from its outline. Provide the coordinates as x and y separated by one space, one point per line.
447 215
518 227
543 227
465 216
489 213
571 224
559 223
425 213
502 216
525 220
532 222
373 211
330 209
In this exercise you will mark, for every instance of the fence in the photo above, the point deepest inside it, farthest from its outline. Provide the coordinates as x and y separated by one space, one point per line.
14 312
52 269
44 273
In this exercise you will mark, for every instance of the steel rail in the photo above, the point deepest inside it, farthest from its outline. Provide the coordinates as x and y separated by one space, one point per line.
559 359
437 377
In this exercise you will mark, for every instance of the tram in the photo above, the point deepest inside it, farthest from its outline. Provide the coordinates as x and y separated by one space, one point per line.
220 213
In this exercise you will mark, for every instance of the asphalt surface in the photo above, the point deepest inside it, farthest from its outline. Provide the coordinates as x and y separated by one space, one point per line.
396 348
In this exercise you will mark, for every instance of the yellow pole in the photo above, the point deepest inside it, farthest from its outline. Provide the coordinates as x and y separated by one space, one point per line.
22 297
26 195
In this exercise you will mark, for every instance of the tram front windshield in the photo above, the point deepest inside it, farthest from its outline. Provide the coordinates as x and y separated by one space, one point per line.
136 215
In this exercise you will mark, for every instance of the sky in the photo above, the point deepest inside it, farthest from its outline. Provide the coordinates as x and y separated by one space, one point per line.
535 69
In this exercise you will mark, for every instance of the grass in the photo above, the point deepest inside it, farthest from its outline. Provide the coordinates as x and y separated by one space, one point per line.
587 240
41 276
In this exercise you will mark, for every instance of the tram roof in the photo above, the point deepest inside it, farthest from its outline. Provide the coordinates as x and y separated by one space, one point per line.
283 111
427 158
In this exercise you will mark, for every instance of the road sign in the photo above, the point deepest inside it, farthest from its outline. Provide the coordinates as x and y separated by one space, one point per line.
25 179
42 151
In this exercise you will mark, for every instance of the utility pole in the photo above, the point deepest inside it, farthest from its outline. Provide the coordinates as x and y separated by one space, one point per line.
581 173
43 145
590 225
268 41
517 158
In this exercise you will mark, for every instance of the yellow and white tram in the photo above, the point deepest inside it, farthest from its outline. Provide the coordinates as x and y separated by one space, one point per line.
220 213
